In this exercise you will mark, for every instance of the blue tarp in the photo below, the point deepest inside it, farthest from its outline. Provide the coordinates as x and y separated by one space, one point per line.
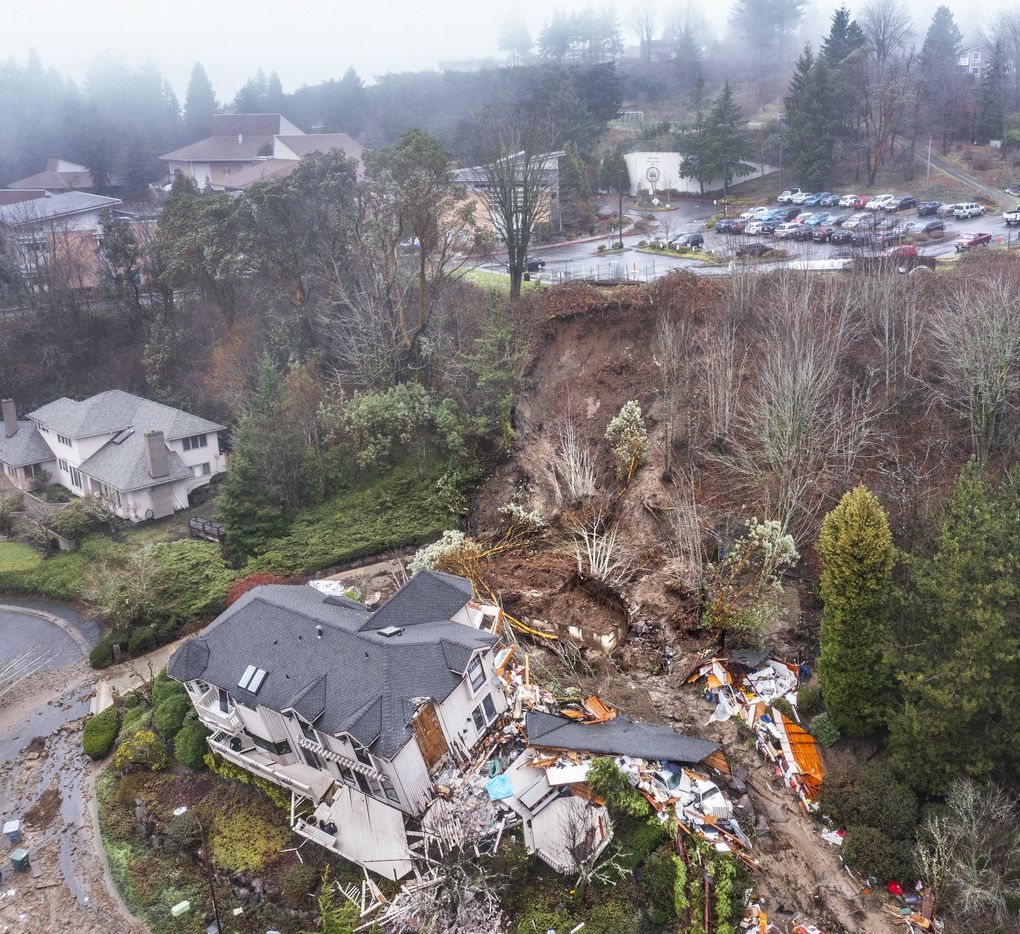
499 788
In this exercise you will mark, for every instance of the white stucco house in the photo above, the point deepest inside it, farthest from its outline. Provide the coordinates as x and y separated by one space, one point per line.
354 712
141 456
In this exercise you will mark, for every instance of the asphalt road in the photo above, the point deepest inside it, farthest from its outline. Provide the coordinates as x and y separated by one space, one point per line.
582 260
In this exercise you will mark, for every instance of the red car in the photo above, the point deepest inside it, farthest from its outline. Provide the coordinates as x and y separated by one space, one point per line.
970 240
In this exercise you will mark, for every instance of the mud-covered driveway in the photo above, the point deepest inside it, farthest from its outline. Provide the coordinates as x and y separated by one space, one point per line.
47 782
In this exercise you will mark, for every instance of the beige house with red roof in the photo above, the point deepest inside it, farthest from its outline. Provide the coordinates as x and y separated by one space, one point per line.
248 148
59 175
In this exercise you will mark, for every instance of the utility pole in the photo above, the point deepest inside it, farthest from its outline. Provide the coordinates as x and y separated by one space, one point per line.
619 192
927 177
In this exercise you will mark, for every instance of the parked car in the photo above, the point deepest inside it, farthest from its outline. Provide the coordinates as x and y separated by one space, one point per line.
886 224
817 220
968 209
829 200
755 228
946 210
860 202
787 196
534 263
933 227
879 202
822 234
858 220
839 220
687 241
754 249
848 201
800 197
793 232
862 238
816 199
787 213
887 237
724 226
967 241
905 251
737 226
1012 217
842 253
927 208
754 213
841 236
905 203
924 228
804 217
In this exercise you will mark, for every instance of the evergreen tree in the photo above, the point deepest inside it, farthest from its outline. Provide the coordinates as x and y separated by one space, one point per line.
811 110
992 101
724 144
275 98
265 477
199 105
138 167
514 38
941 86
856 549
958 664
845 37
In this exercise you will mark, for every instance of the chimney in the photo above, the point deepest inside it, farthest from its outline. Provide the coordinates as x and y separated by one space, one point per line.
10 417
159 459
240 138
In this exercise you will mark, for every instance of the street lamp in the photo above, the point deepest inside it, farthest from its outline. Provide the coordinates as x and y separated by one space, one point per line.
180 812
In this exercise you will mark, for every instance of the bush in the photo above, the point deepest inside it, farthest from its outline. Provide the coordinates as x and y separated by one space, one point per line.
190 746
873 852
141 639
183 834
193 579
72 522
809 699
607 781
168 717
164 687
297 883
628 440
783 706
869 794
244 839
824 730
101 655
658 879
142 751
100 733
226 769
241 587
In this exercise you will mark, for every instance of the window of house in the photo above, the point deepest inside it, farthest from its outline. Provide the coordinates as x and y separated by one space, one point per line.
476 674
489 707
478 718
307 732
34 470
44 429
281 748
75 478
311 758
64 440
346 774
224 700
363 783
389 790
195 442
362 755
62 464
200 470
11 471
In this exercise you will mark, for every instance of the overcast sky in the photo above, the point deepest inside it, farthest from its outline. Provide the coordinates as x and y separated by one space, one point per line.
306 41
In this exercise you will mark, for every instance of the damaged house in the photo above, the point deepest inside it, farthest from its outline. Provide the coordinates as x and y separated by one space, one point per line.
354 712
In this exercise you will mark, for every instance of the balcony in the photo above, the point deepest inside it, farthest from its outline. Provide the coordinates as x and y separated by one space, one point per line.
295 776
208 707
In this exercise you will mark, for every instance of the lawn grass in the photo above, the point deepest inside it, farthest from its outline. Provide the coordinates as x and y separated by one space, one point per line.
497 282
14 556
64 576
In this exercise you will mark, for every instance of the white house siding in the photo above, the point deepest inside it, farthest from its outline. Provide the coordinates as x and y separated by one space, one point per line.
136 503
210 455
411 778
661 171
455 712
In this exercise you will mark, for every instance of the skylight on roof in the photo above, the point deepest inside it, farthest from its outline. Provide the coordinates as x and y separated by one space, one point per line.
123 435
252 679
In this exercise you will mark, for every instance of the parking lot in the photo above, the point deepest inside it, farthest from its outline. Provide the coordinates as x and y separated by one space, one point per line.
582 260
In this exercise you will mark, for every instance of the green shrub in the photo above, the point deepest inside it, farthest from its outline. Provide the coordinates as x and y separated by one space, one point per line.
226 769
190 746
607 781
824 730
297 883
183 834
874 853
71 522
193 579
783 706
393 510
244 839
658 880
132 700
141 639
142 751
165 687
101 655
168 716
869 794
100 733
628 440
809 699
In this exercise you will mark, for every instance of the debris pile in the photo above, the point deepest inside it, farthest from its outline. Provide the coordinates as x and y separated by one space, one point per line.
753 687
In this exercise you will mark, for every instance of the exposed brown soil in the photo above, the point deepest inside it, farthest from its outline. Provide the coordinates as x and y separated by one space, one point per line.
45 809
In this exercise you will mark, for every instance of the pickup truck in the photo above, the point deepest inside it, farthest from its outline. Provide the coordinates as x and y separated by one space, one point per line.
1012 217
972 240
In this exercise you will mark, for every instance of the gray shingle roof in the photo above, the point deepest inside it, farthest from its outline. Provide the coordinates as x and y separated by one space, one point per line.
435 596
619 736
222 149
352 679
115 409
26 446
52 207
125 466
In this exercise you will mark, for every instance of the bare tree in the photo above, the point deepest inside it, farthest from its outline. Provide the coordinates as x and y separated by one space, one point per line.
575 463
578 827
977 331
642 23
515 180
686 532
720 372
888 26
600 551
672 350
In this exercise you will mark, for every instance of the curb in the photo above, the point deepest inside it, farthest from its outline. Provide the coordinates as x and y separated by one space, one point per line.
70 629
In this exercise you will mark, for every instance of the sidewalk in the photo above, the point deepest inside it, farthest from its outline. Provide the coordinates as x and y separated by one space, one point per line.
128 675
